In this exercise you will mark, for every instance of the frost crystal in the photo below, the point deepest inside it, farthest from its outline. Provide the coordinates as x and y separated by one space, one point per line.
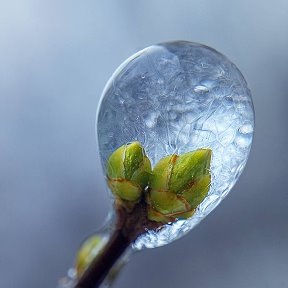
174 98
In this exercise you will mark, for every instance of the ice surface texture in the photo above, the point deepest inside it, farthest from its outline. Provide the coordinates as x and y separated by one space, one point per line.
173 98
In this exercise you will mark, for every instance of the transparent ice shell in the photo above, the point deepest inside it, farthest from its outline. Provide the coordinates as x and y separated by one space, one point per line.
173 98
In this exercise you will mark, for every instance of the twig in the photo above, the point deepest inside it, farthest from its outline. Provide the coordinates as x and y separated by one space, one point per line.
129 226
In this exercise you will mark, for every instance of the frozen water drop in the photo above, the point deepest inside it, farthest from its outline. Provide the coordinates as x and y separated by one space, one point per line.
174 98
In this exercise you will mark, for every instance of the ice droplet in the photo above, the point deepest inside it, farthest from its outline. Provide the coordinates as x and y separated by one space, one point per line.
174 98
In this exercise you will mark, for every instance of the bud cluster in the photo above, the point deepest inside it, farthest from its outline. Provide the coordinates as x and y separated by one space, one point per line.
171 190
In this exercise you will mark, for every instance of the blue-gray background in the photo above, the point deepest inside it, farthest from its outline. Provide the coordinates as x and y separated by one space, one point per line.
55 57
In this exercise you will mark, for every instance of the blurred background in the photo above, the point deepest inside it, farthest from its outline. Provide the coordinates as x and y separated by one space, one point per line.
55 58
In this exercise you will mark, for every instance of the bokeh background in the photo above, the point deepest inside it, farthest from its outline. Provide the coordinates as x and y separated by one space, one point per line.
55 58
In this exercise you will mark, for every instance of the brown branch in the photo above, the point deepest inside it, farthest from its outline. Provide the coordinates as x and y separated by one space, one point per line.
129 226
98 270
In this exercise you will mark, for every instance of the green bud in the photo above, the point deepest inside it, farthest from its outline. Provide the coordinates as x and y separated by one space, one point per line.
178 184
128 171
154 215
90 249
